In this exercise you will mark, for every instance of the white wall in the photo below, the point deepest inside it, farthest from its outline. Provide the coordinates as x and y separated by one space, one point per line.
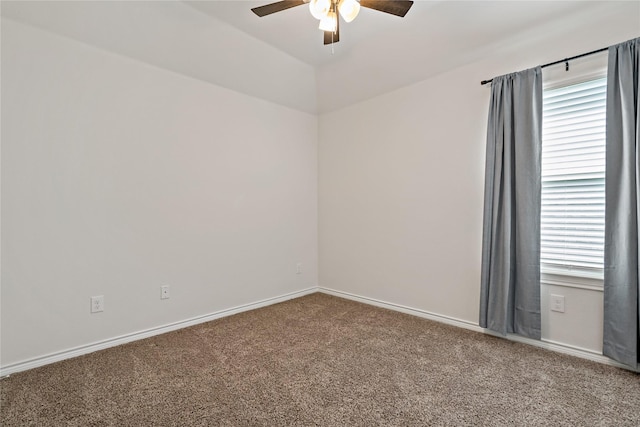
119 177
401 188
400 196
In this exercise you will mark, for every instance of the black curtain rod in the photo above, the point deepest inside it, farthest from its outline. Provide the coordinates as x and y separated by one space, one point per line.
566 60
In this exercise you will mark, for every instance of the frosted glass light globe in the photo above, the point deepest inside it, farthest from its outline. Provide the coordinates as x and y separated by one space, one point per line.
349 9
329 22
319 8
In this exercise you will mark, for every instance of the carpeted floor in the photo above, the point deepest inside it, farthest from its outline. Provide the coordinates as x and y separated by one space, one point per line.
321 360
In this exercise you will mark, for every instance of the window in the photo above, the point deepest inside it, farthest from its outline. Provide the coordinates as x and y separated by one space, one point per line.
573 180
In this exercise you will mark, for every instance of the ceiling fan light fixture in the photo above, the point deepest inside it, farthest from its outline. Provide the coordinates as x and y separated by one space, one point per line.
349 9
319 8
329 22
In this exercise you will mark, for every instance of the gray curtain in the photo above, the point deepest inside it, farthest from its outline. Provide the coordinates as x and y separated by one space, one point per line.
510 282
621 314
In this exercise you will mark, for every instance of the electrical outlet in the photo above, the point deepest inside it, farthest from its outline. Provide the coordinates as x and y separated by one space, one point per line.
97 304
164 292
299 268
557 303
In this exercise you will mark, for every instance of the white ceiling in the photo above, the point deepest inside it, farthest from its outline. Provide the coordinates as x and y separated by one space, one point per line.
281 57
428 24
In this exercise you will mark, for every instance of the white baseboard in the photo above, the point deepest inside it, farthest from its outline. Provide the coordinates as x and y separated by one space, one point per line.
112 342
558 347
123 339
545 344
403 309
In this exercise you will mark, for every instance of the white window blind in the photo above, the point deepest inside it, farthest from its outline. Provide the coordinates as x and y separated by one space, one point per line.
573 178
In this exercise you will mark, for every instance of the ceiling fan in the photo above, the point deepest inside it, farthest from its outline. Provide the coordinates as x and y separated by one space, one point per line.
327 11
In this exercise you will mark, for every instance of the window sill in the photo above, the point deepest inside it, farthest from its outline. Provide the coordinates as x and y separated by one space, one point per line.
589 281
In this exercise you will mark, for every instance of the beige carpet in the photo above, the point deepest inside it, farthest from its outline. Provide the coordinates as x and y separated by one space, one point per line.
321 360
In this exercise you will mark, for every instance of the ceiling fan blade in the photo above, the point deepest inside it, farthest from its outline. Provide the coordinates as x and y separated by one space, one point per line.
394 7
278 6
331 37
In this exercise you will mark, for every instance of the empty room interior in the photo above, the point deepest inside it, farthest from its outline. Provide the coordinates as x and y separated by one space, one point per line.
213 215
